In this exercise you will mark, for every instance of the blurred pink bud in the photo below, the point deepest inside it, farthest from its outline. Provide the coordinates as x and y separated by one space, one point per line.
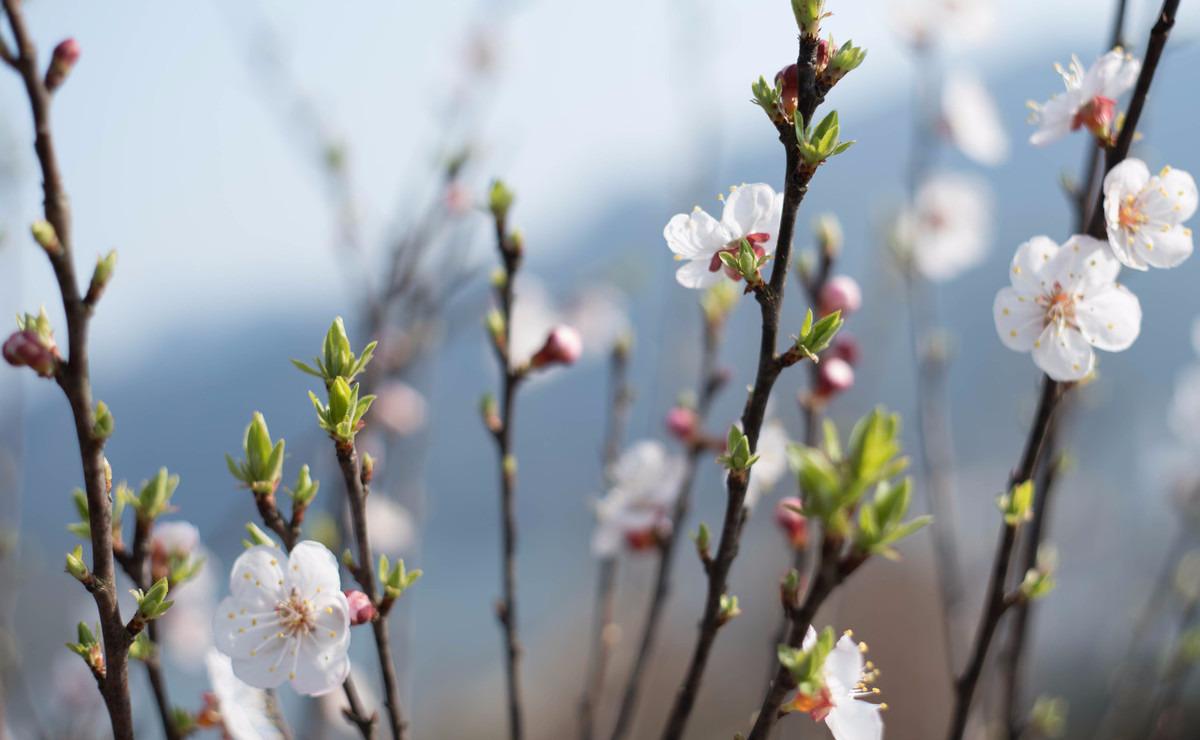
65 55
682 423
1097 116
825 49
834 375
563 347
792 522
27 349
845 347
400 407
458 199
788 80
361 608
840 293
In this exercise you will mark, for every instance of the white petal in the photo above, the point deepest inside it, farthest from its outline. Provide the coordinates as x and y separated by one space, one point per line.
1054 118
269 667
748 209
696 234
695 274
1111 319
319 670
1165 249
1019 319
973 121
845 663
1127 178
1181 190
855 720
1111 75
810 638
1029 262
313 570
240 630
257 576
1063 353
1082 265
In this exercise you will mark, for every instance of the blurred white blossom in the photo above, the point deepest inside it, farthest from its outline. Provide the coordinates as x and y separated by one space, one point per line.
1089 99
948 228
752 212
971 120
242 709
400 407
389 524
772 463
637 508
1063 302
1144 214
600 313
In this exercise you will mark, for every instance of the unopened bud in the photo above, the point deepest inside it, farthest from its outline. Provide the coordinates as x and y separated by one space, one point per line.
834 375
792 522
787 80
66 54
682 423
362 610
562 347
27 348
845 347
46 237
367 469
840 293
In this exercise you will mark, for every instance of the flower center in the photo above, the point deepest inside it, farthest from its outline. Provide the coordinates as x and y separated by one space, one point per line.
1059 306
818 707
1097 116
297 617
756 239
1130 216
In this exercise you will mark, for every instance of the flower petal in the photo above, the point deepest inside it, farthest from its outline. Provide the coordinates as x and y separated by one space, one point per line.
810 638
313 570
855 720
696 234
1019 319
1063 354
269 666
844 664
240 630
749 209
1083 265
695 274
1181 189
257 577
1029 262
1111 75
1110 320
1127 178
1166 249
319 673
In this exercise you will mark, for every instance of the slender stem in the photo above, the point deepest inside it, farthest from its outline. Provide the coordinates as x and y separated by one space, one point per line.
158 684
357 491
356 714
709 383
1165 713
620 402
770 300
74 378
997 600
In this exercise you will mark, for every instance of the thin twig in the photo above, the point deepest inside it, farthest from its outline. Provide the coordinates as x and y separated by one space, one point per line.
74 379
770 300
709 383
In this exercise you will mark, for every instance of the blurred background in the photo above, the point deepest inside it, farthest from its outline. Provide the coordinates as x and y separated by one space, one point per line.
256 164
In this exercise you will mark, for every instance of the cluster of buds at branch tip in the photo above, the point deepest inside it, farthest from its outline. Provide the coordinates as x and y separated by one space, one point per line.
342 417
62 61
88 647
262 465
563 346
154 498
814 338
46 237
151 605
809 14
337 360
737 457
819 144
789 515
396 580
362 611
33 346
746 261
1017 504
835 62
304 490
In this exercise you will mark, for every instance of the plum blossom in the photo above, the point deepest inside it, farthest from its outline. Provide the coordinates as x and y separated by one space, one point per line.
636 510
752 212
389 523
1063 302
970 119
241 710
946 230
286 619
600 313
1144 214
772 462
1089 100
841 702
400 407
840 293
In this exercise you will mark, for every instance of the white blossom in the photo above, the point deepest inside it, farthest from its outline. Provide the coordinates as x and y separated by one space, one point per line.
400 407
947 229
970 119
842 705
600 313
1089 98
752 212
772 462
243 709
1063 302
286 619
390 524
637 507
1144 214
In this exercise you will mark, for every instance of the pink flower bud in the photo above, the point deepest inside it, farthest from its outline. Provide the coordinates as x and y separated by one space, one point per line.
563 347
840 293
65 55
681 423
792 522
845 347
27 349
788 79
1097 116
458 199
834 375
361 608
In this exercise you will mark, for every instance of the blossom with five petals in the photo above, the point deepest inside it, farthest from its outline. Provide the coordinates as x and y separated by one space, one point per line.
752 212
1144 214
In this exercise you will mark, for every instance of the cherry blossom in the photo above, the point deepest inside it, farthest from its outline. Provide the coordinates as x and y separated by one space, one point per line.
241 710
752 212
1089 100
636 510
1063 302
970 119
841 702
1144 214
286 619
946 231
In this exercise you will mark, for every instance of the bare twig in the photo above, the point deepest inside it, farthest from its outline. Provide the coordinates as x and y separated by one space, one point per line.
74 379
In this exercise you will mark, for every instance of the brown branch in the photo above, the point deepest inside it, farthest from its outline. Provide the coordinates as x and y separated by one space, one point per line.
73 377
709 383
357 492
997 602
770 299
